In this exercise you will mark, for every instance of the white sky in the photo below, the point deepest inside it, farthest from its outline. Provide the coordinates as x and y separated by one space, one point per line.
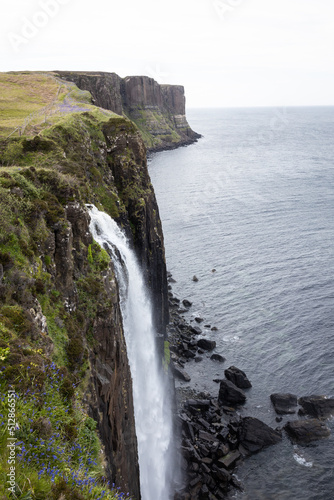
225 52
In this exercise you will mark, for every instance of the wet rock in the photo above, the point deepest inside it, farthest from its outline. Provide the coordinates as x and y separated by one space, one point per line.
214 329
199 404
284 403
198 319
217 357
198 359
254 435
180 373
237 377
317 406
230 394
187 303
195 330
236 483
195 278
189 354
206 436
207 345
229 459
305 431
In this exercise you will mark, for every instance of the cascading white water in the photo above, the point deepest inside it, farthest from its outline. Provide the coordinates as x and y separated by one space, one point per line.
152 414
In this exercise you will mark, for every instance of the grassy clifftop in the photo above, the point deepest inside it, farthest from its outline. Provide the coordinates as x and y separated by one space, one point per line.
57 288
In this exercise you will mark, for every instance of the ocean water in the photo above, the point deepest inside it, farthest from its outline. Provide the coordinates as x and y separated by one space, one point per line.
249 210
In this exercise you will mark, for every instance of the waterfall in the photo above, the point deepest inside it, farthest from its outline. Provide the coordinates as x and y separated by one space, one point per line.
152 411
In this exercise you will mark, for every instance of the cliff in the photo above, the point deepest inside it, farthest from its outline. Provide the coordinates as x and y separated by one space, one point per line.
62 345
157 110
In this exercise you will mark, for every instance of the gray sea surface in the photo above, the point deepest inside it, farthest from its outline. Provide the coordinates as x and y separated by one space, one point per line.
254 201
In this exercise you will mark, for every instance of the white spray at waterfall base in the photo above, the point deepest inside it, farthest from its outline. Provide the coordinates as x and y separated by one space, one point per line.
152 410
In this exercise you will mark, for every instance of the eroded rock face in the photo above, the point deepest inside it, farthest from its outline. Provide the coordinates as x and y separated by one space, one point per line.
109 395
135 190
110 391
158 109
230 394
104 87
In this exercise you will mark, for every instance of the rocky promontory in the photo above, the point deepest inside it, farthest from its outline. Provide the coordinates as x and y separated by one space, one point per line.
157 110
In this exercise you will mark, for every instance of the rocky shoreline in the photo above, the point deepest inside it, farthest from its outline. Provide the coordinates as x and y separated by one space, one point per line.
215 437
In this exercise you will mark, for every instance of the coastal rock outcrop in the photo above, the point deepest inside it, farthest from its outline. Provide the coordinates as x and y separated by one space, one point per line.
284 403
158 110
306 431
237 377
317 406
255 435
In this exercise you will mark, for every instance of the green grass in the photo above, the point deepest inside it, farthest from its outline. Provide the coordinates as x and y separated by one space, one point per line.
32 102
57 450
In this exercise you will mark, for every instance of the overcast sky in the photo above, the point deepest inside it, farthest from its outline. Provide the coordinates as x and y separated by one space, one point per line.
225 52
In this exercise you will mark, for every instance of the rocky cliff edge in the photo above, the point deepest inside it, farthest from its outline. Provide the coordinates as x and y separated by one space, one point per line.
157 110
62 346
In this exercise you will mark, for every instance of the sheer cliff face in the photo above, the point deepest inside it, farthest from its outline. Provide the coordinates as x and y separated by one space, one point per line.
91 157
109 393
157 110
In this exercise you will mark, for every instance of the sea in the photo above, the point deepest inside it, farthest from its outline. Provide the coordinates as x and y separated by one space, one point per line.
249 211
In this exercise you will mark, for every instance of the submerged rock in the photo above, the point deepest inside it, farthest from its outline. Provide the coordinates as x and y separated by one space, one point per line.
237 377
217 357
255 435
284 403
305 431
317 406
195 330
230 394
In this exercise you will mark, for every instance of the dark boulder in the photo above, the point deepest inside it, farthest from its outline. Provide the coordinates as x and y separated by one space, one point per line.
305 431
229 459
317 406
187 303
207 345
230 394
195 330
237 377
255 435
198 319
284 403
180 373
217 357
198 404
